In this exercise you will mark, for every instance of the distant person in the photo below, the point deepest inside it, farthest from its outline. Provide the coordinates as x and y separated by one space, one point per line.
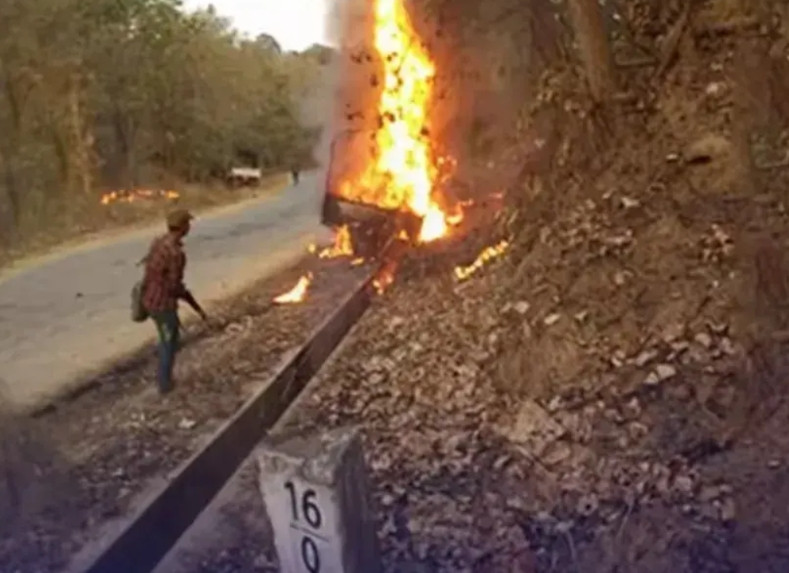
162 288
295 173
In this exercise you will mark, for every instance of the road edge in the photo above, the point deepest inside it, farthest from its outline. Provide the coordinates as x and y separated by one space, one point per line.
101 239
90 378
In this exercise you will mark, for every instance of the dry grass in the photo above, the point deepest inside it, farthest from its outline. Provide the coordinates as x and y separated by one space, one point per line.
70 223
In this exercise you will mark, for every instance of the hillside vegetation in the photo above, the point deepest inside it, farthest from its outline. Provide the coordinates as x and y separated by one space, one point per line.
612 394
102 95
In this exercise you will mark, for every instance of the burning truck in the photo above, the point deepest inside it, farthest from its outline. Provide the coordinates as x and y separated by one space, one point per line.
384 172
388 177
370 224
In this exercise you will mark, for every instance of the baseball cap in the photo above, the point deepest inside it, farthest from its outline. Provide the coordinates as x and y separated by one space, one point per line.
178 218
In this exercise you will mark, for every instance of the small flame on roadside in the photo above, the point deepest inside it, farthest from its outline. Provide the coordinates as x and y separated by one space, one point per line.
434 225
455 218
458 214
342 247
385 277
489 253
298 293
130 196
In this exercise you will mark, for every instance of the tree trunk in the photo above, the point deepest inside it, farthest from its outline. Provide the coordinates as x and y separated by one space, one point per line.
545 35
125 137
9 203
80 140
593 45
9 189
60 146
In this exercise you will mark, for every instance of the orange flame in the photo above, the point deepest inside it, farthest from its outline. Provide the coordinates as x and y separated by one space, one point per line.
405 170
385 277
484 257
130 196
342 247
457 217
298 293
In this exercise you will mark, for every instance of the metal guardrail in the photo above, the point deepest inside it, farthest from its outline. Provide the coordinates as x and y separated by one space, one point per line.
172 509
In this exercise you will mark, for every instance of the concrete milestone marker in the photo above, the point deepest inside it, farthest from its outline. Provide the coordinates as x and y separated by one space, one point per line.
316 493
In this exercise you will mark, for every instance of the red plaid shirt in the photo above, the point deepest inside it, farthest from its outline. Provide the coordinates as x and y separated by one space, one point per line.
164 274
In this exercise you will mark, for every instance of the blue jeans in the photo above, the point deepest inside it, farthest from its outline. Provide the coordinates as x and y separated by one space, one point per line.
169 328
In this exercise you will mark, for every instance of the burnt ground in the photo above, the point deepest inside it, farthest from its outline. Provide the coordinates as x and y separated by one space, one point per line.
653 460
90 458
509 428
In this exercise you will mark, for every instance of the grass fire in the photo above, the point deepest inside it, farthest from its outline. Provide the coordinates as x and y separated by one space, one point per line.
298 293
487 255
342 246
135 195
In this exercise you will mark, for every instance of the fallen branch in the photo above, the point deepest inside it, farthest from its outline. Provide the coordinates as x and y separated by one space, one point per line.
728 27
673 39
641 62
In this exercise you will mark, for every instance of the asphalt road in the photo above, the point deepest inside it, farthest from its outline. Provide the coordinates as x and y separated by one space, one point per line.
68 315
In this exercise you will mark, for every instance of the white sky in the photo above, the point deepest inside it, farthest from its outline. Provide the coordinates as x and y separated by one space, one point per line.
295 24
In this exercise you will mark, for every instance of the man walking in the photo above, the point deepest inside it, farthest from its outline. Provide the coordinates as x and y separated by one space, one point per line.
163 287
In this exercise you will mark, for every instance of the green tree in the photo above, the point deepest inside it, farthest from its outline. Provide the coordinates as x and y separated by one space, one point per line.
122 93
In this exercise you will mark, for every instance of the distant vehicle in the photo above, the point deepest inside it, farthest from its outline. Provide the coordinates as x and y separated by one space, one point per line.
371 226
244 177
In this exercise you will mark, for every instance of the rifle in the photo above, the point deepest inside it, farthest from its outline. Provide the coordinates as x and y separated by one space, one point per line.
191 301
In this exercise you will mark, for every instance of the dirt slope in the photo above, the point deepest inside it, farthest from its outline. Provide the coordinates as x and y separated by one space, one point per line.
610 394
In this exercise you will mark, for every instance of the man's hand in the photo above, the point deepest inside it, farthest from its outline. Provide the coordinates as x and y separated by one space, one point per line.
190 300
